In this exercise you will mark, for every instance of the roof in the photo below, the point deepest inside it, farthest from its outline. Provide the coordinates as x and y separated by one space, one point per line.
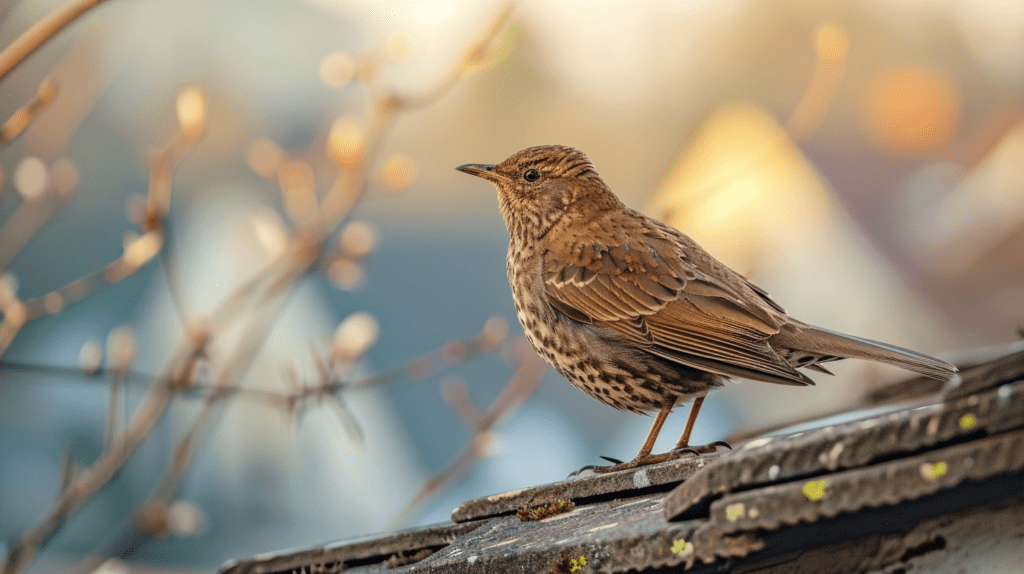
921 485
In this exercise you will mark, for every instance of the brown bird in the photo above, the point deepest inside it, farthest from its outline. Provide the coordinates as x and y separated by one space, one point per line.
636 314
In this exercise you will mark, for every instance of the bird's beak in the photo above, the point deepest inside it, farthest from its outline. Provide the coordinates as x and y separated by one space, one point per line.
481 170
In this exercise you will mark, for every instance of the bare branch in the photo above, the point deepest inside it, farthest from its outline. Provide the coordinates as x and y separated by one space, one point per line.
41 31
87 482
528 375
24 115
262 297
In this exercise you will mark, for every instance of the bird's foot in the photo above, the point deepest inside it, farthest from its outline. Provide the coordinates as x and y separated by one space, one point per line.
636 462
673 454
619 465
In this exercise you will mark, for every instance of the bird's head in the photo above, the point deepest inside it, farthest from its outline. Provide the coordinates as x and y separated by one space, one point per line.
539 185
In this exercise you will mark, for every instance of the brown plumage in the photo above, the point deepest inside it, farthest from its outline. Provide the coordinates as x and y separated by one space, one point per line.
632 311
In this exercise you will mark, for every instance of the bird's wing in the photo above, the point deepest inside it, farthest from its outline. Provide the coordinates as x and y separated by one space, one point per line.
638 281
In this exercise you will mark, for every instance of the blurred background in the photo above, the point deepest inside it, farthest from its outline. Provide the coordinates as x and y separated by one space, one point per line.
327 295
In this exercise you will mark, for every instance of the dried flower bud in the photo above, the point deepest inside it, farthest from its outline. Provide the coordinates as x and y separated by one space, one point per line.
265 157
31 178
346 274
139 250
399 172
397 47
337 69
90 358
345 142
355 335
494 332
191 109
15 314
298 188
832 44
358 239
120 349
53 302
8 288
270 233
64 175
184 518
112 566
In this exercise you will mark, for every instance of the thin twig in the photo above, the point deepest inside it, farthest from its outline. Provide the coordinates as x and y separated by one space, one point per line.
528 375
451 354
27 220
23 116
41 31
87 482
151 517
119 448
23 224
352 182
265 293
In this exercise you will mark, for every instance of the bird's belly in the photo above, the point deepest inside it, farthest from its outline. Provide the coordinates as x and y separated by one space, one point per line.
625 379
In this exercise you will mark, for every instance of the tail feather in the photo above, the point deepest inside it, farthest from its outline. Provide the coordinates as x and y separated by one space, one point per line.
813 339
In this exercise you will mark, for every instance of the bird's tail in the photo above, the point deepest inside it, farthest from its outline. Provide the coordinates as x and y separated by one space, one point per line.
816 340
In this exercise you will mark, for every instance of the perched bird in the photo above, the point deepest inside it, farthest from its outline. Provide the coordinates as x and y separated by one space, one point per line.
636 314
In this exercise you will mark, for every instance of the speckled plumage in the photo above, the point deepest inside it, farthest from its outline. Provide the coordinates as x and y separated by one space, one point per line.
632 311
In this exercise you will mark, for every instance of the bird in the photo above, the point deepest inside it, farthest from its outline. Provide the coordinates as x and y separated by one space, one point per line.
635 313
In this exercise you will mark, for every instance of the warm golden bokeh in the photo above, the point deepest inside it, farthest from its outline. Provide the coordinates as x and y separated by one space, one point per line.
191 110
337 69
345 141
911 110
358 239
741 183
832 46
31 178
298 189
355 334
399 171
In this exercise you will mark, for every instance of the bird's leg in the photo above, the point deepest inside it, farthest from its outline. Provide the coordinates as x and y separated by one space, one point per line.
652 435
684 441
644 456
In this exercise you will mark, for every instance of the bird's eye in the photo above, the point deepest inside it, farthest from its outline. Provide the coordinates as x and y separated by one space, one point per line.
531 175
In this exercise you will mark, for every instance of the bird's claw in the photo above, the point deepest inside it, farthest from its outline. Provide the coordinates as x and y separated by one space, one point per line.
703 449
598 469
588 470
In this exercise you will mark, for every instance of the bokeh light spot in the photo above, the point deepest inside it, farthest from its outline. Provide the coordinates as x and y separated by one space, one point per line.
191 109
399 171
31 178
337 69
911 110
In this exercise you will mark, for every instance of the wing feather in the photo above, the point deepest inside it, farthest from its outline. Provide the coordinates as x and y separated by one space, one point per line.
647 286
